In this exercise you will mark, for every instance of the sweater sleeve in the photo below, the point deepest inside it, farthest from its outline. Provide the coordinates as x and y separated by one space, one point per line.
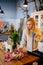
24 39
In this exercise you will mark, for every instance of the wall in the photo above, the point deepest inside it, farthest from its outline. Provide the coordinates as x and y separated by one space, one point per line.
12 13
20 12
9 8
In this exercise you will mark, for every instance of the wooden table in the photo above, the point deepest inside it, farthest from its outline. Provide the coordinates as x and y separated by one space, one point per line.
28 59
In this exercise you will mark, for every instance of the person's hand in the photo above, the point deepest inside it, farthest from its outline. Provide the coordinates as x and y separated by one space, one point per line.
22 49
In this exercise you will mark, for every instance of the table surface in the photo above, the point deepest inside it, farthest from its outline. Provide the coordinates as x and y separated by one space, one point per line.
26 59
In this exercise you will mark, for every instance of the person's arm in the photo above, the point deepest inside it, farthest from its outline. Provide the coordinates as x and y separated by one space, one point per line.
23 43
23 40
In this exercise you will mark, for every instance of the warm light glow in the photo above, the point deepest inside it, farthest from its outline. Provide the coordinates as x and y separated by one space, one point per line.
25 5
